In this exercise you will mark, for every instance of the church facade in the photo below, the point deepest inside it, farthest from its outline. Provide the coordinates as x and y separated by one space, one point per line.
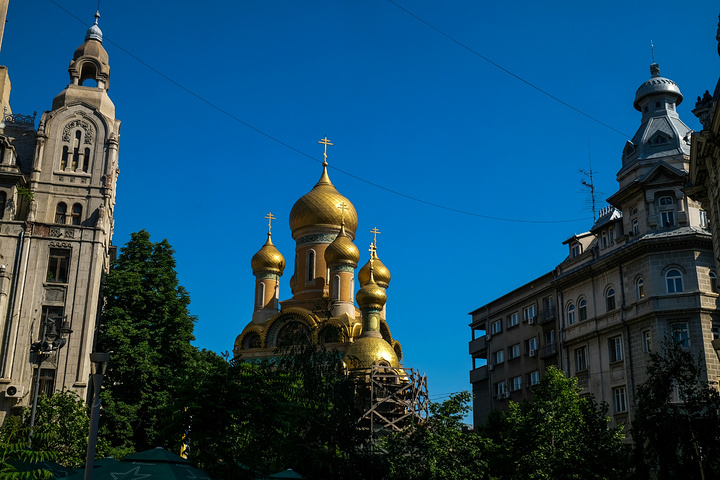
322 307
644 272
57 198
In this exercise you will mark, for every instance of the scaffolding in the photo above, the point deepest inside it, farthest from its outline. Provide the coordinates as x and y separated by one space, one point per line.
389 399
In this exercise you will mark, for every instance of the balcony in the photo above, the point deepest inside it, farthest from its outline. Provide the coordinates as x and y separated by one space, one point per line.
547 315
477 347
479 374
548 350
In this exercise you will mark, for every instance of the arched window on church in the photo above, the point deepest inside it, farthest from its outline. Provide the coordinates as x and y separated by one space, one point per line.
310 259
76 151
260 300
86 160
60 213
336 287
64 159
76 214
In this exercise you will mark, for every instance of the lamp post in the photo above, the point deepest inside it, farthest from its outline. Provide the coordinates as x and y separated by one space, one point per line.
99 365
53 338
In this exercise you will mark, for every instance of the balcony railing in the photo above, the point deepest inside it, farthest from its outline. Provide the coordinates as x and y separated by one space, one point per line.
479 374
547 315
478 345
548 350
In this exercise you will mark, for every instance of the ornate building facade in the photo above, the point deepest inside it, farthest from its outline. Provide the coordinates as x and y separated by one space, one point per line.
57 198
643 272
322 307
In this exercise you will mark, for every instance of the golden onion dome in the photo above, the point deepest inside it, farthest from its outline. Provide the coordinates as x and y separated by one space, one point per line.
319 207
371 295
342 250
268 259
367 351
380 273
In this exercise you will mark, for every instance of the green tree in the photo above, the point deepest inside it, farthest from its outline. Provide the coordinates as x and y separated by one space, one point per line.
441 448
147 327
676 426
15 451
61 425
558 435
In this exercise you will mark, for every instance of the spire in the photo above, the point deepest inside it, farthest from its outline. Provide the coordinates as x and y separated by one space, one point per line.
94 31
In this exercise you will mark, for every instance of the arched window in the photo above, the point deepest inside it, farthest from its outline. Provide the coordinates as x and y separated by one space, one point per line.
571 314
60 213
713 281
673 280
76 151
251 340
336 287
640 288
86 160
310 259
610 299
76 214
294 333
260 300
666 201
64 159
3 203
582 309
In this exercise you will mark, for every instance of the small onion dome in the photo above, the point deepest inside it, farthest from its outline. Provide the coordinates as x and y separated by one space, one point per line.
367 351
380 273
657 85
342 251
319 207
93 45
371 296
268 259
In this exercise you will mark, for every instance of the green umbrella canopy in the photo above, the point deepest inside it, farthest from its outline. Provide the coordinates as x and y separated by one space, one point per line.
155 464
289 473
158 454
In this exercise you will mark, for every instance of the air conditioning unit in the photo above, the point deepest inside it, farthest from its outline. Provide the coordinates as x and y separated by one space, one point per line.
14 391
503 395
533 353
490 366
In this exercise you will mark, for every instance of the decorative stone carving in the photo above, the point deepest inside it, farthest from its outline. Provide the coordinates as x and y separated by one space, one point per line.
56 232
89 134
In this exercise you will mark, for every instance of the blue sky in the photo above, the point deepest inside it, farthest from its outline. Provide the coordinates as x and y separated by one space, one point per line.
407 109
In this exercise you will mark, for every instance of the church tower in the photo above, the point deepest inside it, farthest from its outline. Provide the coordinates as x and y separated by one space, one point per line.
322 307
57 199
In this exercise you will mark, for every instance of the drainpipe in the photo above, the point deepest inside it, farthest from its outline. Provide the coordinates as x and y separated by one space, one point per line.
11 304
627 340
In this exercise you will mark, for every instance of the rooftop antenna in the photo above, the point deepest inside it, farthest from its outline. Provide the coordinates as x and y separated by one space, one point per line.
591 185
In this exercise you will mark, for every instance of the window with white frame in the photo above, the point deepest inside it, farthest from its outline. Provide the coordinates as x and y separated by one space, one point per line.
582 309
640 288
571 314
534 378
575 249
496 327
681 333
531 345
516 383
498 357
513 320
500 388
647 341
703 218
514 351
619 399
615 348
528 313
667 219
674 281
610 299
581 363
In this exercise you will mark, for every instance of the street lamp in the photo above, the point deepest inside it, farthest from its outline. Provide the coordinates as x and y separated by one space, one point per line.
99 365
53 338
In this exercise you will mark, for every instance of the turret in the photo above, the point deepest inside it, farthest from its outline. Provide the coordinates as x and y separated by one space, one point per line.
268 265
342 257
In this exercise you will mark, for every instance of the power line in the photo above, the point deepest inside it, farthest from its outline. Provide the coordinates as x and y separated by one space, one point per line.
296 150
497 65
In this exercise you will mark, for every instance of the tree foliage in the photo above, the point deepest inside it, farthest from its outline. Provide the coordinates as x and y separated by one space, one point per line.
676 427
441 448
557 435
16 454
147 327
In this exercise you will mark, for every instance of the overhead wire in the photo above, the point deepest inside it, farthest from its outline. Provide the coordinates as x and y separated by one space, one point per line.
344 172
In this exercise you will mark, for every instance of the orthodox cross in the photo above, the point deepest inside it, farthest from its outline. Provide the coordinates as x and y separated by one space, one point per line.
342 206
325 142
270 218
375 232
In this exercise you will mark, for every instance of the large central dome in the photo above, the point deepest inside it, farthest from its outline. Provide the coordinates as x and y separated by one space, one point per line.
320 208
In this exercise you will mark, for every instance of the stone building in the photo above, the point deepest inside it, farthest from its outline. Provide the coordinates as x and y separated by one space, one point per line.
644 271
322 307
57 197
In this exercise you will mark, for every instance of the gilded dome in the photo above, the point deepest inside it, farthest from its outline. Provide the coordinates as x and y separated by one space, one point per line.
319 207
380 273
268 259
371 295
367 351
342 250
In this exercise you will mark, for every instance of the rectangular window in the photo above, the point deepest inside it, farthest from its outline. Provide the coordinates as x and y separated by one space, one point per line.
581 359
500 388
619 399
611 235
531 345
668 218
604 239
681 334
498 357
703 218
529 313
58 266
647 341
516 384
514 351
534 378
47 380
635 226
575 250
513 320
616 349
496 327
52 313
550 337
